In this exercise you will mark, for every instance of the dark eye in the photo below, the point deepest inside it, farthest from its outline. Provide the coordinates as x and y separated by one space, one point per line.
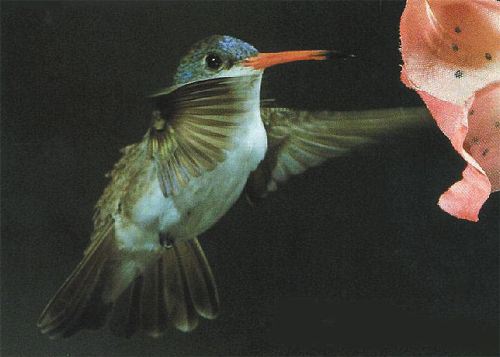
213 61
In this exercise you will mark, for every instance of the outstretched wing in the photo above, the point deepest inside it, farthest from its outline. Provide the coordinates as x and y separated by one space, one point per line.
298 139
192 129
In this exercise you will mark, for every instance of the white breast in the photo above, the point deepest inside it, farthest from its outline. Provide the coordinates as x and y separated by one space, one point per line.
210 196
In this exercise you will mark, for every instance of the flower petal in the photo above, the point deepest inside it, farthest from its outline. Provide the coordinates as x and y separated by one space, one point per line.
451 48
465 198
483 139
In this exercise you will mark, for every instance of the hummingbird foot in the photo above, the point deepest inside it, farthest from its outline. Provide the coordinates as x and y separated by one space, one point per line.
166 241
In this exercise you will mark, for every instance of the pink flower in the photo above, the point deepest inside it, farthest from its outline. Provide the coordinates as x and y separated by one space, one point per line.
451 55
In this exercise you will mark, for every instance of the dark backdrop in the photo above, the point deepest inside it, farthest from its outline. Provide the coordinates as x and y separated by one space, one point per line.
353 257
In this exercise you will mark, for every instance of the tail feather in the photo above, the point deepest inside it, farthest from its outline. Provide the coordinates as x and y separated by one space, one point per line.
176 288
68 311
126 318
178 302
154 319
199 279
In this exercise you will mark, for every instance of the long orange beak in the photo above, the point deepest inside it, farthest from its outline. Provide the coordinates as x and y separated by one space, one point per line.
265 60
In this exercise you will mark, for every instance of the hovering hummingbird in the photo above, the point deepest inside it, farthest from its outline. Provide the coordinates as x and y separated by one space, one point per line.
209 139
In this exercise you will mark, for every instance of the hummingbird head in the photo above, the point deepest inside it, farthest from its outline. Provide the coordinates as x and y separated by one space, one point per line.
226 56
215 56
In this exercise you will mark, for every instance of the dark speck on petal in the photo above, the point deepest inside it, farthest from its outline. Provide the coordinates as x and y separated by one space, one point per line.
459 74
454 47
497 124
458 29
488 56
471 112
485 151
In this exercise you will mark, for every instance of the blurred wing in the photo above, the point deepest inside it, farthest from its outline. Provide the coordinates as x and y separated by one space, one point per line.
298 139
191 132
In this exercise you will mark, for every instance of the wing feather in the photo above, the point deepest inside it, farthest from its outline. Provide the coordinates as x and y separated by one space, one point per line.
193 128
299 139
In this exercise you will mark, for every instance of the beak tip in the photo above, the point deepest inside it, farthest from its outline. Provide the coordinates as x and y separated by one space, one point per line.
331 55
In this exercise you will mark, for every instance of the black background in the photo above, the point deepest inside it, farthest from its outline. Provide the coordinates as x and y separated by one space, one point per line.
353 257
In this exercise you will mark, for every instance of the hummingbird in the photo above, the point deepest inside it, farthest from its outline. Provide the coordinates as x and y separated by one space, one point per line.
211 138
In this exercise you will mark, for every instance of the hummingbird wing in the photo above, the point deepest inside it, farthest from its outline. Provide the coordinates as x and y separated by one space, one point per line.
300 139
192 130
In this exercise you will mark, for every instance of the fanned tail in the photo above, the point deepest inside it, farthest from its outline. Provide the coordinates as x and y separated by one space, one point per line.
175 289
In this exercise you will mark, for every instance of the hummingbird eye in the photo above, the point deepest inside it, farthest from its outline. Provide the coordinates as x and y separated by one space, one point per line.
213 61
